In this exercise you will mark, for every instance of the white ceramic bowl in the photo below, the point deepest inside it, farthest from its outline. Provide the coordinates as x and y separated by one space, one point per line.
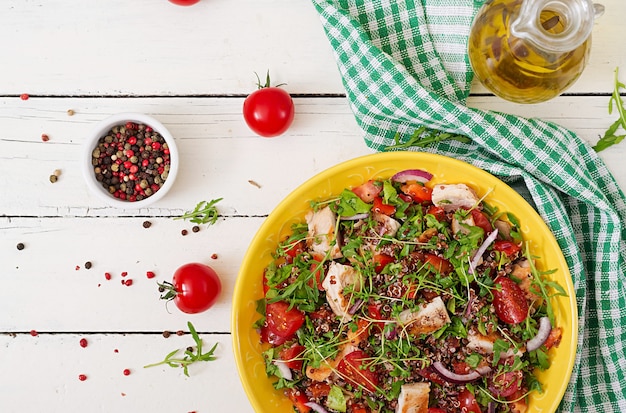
101 130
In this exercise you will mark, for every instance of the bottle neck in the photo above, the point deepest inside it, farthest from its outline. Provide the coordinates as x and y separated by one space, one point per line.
554 25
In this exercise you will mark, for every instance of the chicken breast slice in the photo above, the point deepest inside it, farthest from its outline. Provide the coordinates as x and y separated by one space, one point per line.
413 398
337 278
322 225
484 344
431 317
454 196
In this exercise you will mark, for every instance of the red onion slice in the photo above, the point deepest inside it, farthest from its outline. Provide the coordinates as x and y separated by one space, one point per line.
476 258
284 370
545 327
452 377
417 175
316 407
355 307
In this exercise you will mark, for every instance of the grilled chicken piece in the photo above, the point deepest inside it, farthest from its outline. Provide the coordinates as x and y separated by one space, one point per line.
337 278
431 317
413 398
454 196
322 225
484 344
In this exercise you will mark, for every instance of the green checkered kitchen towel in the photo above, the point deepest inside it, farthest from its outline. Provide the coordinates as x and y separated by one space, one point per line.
404 66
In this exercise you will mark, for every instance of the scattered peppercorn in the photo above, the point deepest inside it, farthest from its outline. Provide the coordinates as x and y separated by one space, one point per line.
53 178
83 342
24 96
126 372
116 351
195 228
107 275
128 282
132 161
180 333
45 137
82 377
88 264
166 334
34 333
77 267
183 232
214 256
70 112
150 274
147 224
190 349
124 273
20 246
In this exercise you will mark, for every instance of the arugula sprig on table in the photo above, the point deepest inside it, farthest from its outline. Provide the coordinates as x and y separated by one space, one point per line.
423 136
191 355
611 137
205 212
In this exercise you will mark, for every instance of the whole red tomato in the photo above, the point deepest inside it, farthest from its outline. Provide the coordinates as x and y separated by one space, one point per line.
184 2
194 288
269 110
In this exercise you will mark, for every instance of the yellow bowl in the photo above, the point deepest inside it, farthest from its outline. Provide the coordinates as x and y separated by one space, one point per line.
246 344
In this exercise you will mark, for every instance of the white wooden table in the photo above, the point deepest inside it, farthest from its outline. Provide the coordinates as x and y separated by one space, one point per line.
191 68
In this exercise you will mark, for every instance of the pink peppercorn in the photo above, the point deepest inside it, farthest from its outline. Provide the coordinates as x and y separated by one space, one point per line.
107 275
150 274
34 333
82 377
83 342
126 372
24 96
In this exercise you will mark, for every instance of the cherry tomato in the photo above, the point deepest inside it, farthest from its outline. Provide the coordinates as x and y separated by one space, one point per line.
367 191
438 212
184 2
373 311
319 389
509 301
194 288
381 260
468 403
509 248
382 208
506 384
292 356
353 367
435 410
418 192
317 268
431 375
269 110
298 399
481 220
281 322
441 265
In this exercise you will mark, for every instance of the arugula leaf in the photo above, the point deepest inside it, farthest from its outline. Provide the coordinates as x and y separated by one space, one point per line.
422 137
350 204
611 137
191 355
204 213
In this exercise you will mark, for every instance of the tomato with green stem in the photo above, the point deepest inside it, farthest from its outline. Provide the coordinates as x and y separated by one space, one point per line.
269 110
184 2
194 288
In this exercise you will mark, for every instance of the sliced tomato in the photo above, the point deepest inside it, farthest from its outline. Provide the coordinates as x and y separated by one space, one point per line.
266 287
418 192
440 265
509 301
298 398
292 356
382 208
367 191
318 389
317 268
481 220
468 403
353 368
373 311
431 375
509 248
506 384
281 322
438 212
293 250
381 260
435 410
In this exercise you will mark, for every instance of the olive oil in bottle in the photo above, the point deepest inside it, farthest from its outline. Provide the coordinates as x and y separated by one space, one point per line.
529 51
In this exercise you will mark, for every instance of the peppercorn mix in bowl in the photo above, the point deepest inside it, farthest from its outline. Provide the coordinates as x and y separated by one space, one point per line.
130 160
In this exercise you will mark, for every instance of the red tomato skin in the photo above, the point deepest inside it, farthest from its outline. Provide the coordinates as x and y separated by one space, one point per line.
382 208
418 192
268 111
481 220
317 268
367 191
506 384
440 264
468 403
438 212
197 287
184 2
291 356
281 323
350 368
435 410
509 301
381 261
298 399
509 248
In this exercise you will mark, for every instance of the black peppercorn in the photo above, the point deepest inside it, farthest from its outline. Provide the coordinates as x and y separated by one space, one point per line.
147 224
20 246
195 228
88 264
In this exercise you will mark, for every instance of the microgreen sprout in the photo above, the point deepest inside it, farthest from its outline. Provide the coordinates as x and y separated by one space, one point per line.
191 355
